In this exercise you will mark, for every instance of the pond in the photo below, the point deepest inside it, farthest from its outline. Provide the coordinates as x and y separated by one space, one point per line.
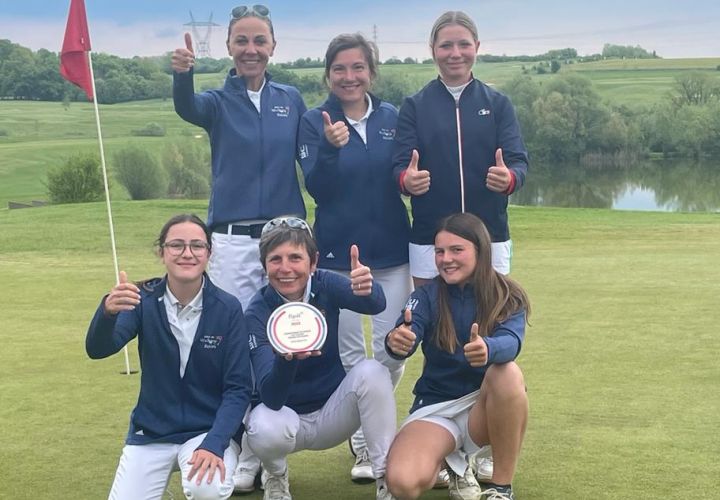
656 185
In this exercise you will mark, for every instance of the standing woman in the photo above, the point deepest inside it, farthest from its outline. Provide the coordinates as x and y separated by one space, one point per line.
470 321
195 383
458 148
346 156
252 124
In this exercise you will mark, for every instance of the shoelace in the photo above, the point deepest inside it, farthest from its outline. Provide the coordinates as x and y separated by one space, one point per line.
493 494
362 457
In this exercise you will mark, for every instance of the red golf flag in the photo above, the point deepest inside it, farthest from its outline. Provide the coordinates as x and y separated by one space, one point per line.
74 65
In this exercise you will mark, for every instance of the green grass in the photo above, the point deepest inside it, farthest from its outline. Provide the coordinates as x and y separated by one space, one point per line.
620 359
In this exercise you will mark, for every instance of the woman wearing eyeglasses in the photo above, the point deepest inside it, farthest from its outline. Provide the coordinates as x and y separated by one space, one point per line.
195 370
252 124
308 400
458 148
346 156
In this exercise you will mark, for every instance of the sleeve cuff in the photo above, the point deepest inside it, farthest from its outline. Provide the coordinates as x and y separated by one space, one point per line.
511 187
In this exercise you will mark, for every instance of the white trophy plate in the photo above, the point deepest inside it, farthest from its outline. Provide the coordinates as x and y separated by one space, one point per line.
296 327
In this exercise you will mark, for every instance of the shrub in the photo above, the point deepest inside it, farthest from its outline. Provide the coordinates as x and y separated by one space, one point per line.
393 88
188 167
152 129
140 173
78 180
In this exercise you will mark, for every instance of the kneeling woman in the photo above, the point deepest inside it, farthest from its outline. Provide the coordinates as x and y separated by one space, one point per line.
195 384
308 401
470 321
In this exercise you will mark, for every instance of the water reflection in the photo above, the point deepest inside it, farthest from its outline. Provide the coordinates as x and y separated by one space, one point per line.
667 185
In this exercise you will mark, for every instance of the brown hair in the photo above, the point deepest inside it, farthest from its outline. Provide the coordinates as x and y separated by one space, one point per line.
348 41
286 234
179 219
498 296
267 19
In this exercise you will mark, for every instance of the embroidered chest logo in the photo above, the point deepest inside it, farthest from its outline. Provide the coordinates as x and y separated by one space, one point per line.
210 341
484 112
303 152
281 111
387 134
411 304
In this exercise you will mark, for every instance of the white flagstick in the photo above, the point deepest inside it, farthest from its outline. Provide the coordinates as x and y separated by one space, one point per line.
107 194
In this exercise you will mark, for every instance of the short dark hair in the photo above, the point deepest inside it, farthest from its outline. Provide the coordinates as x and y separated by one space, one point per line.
348 41
179 219
285 234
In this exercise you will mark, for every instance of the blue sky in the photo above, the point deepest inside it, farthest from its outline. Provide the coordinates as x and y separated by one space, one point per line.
303 27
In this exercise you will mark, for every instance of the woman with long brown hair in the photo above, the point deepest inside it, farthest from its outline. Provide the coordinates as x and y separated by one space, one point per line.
470 323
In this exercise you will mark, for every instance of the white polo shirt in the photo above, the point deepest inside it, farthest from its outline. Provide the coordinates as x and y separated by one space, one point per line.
361 124
184 322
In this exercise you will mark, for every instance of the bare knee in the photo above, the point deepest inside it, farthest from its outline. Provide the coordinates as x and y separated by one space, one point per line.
505 380
404 484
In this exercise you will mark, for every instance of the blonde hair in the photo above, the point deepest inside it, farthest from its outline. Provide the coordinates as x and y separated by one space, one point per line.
449 18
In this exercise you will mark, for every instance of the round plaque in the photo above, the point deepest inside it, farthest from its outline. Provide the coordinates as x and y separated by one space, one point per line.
296 327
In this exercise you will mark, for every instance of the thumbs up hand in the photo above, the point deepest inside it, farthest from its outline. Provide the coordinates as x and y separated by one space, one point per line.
416 181
336 133
184 58
401 339
476 351
123 297
498 176
361 278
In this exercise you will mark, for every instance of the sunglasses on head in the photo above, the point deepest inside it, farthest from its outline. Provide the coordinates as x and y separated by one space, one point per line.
257 10
291 222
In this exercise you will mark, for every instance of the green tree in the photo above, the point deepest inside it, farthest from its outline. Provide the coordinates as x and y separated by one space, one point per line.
78 180
140 173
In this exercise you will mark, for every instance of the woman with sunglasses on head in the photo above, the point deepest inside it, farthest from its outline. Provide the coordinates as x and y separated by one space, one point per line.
346 156
308 401
252 125
195 383
458 148
470 323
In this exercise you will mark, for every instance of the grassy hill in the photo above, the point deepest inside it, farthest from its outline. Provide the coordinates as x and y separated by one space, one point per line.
38 135
620 358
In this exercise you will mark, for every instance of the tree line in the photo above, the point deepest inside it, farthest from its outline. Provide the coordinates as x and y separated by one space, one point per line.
563 119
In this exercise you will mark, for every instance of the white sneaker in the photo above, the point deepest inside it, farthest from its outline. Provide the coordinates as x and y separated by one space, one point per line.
463 487
381 491
276 487
482 463
244 478
483 469
443 479
362 471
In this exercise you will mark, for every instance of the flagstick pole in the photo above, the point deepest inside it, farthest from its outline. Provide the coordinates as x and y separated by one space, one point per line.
107 194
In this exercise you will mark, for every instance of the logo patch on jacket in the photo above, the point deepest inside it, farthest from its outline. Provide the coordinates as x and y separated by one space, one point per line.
210 341
411 304
281 111
303 152
387 134
484 112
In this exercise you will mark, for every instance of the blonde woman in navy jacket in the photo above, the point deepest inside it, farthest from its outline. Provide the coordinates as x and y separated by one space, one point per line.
346 156
470 324
458 148
195 382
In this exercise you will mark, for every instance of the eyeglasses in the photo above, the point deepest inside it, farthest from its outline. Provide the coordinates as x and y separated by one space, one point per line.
291 222
256 10
198 248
